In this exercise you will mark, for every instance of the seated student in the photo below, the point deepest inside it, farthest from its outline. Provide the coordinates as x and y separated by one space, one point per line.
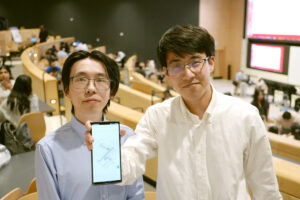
261 103
139 68
121 58
285 121
53 69
20 101
261 85
241 82
7 82
63 163
62 53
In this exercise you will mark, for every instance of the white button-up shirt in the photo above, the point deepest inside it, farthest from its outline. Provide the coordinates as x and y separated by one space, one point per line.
215 158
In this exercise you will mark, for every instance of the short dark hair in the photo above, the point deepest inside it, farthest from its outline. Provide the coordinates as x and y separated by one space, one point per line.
52 58
286 115
110 66
185 39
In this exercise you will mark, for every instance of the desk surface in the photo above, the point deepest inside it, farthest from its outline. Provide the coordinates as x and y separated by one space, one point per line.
45 108
17 173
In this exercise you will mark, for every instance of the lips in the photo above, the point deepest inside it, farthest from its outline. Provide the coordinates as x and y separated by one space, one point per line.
91 100
190 84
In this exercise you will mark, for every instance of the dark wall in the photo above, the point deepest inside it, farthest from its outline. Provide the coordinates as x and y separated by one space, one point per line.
142 22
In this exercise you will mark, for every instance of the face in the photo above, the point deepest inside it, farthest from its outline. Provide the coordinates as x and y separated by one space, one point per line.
89 98
53 64
193 83
4 74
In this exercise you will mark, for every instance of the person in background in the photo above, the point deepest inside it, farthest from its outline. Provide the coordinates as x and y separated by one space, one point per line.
150 65
139 68
261 85
261 104
63 163
241 83
20 101
150 68
64 45
209 145
7 82
121 58
62 53
43 35
285 121
53 69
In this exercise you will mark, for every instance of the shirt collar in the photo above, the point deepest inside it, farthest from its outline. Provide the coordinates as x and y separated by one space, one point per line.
78 127
208 113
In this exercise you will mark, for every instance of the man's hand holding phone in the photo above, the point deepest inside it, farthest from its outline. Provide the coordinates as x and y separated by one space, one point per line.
89 140
106 152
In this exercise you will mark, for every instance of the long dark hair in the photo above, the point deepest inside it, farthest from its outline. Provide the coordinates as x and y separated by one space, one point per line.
255 98
19 96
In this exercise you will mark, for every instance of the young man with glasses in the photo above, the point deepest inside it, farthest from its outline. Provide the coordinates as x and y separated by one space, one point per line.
63 164
209 146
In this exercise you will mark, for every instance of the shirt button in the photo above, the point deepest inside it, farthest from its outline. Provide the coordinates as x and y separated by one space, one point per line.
103 196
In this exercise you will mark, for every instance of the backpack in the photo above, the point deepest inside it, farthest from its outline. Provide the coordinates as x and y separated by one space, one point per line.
16 140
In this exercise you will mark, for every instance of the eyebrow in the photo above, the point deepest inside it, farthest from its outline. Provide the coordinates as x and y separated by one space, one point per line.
85 74
178 60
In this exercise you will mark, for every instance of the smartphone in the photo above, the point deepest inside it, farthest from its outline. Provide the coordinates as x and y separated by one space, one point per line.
106 153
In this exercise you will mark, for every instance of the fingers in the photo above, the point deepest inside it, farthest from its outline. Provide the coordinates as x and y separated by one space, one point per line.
122 132
88 125
88 137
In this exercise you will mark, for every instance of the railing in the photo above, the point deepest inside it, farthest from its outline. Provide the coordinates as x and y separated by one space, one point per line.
43 84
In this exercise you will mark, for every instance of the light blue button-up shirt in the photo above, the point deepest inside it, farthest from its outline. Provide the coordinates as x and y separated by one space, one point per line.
63 168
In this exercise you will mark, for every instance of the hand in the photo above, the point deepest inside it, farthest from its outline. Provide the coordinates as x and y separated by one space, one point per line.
89 138
7 84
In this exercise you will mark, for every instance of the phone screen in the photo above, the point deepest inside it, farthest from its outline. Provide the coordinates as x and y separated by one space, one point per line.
106 153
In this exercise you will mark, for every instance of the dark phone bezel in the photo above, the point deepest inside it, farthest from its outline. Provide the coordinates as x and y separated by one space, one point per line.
106 182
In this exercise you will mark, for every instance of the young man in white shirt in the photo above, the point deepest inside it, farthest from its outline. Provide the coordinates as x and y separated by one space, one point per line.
209 146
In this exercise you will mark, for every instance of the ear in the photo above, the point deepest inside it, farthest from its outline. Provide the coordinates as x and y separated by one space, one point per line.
67 94
211 62
165 72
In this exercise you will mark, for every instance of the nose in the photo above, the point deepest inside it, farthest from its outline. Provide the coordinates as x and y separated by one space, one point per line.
91 88
188 72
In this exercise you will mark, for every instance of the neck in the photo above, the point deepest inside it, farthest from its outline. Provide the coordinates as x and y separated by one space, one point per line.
85 116
199 106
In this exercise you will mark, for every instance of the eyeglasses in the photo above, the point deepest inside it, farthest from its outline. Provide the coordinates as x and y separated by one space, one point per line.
193 66
81 82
